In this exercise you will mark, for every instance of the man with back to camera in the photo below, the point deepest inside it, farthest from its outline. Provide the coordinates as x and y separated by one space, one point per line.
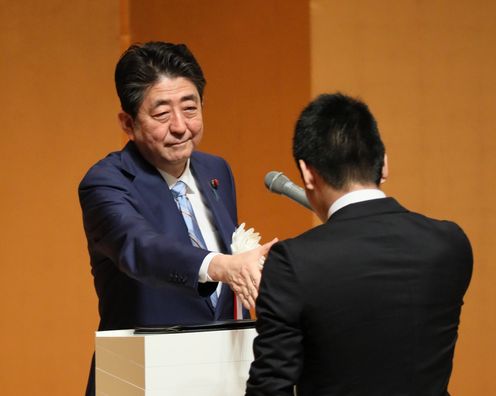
368 303
159 215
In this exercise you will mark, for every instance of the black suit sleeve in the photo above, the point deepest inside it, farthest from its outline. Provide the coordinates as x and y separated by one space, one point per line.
278 347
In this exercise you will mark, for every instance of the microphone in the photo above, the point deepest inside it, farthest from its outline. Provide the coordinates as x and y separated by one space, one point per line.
279 183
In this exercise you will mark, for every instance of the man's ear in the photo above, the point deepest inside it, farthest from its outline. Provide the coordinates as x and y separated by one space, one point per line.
385 170
127 124
307 173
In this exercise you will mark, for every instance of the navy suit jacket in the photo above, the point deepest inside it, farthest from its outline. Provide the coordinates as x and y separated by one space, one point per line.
367 304
144 266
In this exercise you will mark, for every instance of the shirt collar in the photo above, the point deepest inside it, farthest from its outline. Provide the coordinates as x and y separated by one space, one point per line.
186 177
354 197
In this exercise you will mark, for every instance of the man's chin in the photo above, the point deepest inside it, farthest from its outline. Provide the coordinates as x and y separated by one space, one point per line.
179 157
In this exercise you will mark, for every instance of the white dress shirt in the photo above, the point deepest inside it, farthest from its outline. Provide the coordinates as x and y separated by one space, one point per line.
354 197
203 216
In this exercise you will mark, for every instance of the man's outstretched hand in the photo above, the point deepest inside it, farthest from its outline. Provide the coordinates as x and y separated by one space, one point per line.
242 272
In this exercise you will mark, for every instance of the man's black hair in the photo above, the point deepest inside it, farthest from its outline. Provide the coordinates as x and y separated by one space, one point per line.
142 65
338 136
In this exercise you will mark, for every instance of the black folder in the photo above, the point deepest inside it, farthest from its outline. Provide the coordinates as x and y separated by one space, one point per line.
190 328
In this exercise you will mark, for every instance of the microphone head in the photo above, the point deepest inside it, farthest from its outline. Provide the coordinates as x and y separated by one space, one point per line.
275 181
278 183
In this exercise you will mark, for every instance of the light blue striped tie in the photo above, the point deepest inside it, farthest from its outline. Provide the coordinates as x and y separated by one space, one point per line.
184 205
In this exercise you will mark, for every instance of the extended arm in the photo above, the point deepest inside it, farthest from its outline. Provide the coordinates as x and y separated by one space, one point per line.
117 229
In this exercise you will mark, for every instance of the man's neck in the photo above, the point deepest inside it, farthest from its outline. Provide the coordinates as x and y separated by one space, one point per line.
172 178
351 188
174 169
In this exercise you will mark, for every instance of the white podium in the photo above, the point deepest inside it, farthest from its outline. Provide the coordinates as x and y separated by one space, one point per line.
206 363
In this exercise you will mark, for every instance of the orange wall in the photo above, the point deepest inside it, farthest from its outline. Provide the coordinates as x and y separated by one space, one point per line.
427 71
58 116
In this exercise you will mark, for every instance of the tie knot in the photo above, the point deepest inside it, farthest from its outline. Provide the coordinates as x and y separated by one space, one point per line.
179 189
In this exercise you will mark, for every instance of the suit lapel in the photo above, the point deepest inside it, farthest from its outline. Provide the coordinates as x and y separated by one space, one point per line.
154 193
223 223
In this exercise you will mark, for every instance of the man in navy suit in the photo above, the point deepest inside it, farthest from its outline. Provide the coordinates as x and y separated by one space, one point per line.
150 265
368 303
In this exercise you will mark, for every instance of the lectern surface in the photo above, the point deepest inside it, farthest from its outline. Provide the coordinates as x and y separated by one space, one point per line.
208 363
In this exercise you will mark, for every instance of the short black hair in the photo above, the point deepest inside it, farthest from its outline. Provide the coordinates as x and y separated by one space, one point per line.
142 65
338 136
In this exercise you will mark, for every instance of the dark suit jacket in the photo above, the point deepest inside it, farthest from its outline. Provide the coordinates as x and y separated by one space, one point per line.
366 304
144 266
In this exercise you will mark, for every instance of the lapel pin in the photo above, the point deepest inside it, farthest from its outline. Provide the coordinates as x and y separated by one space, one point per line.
214 183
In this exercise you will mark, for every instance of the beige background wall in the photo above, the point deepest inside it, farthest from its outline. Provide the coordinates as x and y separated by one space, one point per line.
58 116
424 67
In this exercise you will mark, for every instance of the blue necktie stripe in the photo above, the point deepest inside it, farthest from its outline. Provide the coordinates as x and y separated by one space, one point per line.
184 205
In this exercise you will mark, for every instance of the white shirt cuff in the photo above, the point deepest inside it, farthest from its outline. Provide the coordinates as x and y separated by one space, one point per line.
203 273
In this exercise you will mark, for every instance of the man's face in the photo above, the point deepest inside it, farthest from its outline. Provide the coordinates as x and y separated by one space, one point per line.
169 124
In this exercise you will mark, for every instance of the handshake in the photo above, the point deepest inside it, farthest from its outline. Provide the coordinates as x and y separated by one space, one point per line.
242 270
